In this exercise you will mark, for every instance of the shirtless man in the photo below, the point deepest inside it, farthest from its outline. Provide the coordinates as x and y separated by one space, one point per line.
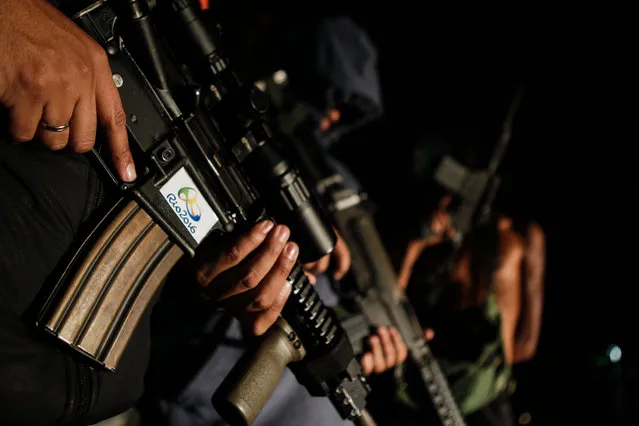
489 315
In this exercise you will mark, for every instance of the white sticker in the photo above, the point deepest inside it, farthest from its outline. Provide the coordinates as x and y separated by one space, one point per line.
189 205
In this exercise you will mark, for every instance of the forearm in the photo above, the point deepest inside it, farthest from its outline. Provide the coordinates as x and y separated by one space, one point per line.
509 308
529 326
413 251
509 295
509 317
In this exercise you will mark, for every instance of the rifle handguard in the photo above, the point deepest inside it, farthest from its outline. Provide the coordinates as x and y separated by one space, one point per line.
111 281
252 381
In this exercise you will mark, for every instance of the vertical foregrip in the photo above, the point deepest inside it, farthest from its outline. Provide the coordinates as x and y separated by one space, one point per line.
309 335
110 285
254 378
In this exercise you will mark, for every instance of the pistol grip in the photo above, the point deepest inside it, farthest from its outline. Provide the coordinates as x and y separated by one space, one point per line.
247 388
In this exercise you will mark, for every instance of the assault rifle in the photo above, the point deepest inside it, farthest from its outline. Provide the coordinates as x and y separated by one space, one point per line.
208 163
371 284
474 189
474 192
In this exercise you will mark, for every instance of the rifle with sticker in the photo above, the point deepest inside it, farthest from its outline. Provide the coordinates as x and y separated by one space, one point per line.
208 164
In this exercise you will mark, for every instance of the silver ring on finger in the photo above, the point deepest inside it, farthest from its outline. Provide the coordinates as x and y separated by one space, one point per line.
57 129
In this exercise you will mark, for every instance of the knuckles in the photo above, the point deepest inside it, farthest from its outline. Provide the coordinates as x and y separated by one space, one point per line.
203 277
256 237
249 281
391 360
232 255
47 73
119 119
35 79
98 55
261 303
275 247
67 82
84 70
283 269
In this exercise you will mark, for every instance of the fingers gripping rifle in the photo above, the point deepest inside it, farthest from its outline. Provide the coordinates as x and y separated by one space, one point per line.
371 284
373 287
207 164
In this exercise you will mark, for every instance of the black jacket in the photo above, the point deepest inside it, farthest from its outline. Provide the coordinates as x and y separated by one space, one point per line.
44 198
43 201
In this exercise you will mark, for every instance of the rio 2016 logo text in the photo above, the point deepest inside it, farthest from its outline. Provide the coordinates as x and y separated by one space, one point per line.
188 210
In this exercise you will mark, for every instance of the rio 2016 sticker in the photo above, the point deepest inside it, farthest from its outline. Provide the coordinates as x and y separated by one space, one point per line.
188 204
186 211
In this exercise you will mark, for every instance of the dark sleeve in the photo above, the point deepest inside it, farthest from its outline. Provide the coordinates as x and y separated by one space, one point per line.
43 196
337 67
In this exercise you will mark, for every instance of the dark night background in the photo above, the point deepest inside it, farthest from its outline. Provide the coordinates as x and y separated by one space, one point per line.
570 166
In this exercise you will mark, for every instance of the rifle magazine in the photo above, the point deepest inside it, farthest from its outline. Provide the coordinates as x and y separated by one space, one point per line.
113 278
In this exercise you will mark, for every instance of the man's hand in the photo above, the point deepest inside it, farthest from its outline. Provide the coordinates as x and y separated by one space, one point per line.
53 73
387 350
331 118
429 334
440 227
339 260
248 277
